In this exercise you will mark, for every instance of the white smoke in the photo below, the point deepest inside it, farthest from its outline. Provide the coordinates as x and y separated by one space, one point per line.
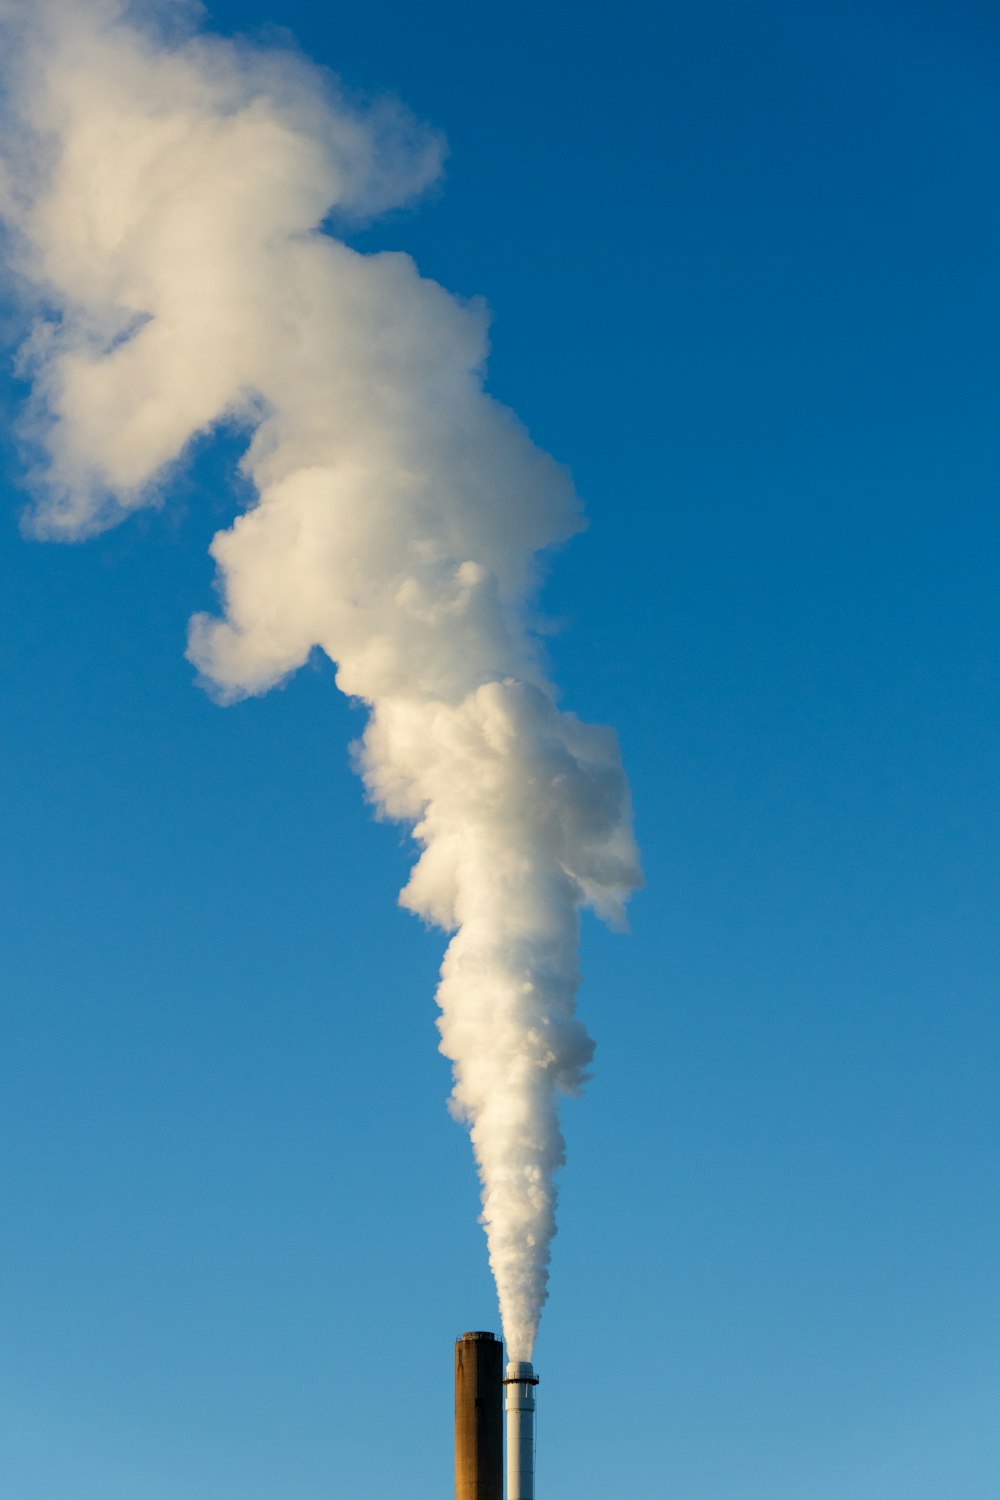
164 193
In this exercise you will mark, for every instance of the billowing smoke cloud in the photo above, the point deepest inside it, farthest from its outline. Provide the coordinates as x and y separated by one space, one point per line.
165 193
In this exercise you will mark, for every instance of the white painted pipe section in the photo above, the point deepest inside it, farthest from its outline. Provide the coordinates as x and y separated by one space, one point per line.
519 1390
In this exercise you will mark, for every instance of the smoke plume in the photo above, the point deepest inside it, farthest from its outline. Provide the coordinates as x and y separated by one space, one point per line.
165 194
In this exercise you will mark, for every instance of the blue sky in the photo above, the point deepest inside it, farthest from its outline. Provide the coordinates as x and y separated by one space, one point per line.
742 263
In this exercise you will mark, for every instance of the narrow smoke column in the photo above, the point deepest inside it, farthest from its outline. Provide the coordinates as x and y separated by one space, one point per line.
478 1417
520 1401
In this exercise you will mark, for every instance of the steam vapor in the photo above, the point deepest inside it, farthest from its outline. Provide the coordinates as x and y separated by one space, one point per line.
164 193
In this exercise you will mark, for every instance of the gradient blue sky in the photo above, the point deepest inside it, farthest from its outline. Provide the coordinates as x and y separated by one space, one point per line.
743 263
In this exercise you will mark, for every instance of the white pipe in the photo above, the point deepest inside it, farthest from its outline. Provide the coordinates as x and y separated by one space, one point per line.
519 1390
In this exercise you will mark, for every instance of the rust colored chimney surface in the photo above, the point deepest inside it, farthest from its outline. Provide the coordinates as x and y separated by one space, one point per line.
478 1417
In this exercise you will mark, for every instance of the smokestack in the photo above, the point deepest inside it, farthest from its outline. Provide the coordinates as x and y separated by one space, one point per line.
478 1417
520 1401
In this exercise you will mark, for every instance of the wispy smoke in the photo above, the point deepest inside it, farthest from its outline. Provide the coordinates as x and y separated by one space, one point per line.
164 192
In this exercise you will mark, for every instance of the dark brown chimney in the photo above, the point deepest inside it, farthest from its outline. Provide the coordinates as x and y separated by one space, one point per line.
478 1417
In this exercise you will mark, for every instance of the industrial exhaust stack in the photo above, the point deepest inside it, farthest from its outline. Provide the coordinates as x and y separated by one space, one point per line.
478 1417
520 1401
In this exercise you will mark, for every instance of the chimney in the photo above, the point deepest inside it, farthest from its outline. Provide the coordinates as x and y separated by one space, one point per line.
520 1401
478 1417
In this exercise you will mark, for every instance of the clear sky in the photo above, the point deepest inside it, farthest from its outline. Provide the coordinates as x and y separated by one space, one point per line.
742 261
